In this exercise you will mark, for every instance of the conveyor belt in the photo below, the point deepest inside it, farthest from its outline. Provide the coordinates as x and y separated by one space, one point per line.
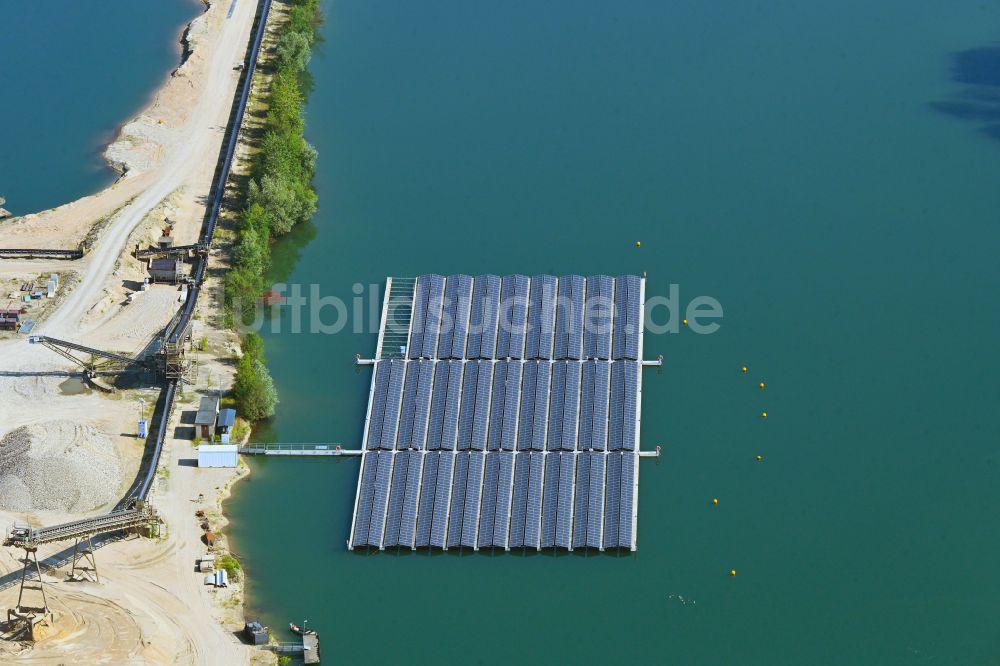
197 248
38 253
142 514
56 344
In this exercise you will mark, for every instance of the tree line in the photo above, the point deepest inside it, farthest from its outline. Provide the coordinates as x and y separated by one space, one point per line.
279 196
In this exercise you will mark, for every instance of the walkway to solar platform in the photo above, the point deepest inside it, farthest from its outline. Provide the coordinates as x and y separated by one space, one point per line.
521 435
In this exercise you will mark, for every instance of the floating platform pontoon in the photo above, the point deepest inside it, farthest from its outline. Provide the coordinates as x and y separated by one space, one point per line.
504 413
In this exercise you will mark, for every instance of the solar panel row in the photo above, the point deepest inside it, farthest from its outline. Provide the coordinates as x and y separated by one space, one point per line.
503 421
534 405
597 317
397 495
529 405
491 479
526 410
373 502
455 317
542 317
540 339
618 501
376 410
594 405
394 395
387 394
633 313
432 323
418 319
499 499
570 317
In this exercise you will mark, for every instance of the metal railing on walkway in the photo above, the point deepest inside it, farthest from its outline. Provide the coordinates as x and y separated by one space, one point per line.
296 450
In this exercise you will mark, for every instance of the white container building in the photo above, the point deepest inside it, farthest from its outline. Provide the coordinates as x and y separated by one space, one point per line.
217 455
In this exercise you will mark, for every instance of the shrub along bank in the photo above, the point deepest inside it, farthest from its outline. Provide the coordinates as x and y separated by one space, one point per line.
278 197
253 387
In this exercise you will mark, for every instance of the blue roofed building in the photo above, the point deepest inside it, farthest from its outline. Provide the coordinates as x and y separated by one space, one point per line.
225 423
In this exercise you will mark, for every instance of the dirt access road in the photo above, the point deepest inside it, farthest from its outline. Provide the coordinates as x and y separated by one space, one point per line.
188 154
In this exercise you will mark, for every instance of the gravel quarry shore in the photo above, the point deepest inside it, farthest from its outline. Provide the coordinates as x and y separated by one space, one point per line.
63 455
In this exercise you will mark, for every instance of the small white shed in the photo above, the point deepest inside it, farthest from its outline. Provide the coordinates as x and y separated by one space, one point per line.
217 455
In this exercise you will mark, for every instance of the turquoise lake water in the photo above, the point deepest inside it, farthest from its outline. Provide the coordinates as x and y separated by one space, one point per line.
828 173
70 74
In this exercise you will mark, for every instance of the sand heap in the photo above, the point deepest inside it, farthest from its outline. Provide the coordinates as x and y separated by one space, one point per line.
57 466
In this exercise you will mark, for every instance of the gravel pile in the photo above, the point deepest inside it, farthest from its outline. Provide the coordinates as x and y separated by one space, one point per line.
57 466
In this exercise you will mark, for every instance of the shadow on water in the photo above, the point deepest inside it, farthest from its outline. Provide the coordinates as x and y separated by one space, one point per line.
489 552
978 70
287 250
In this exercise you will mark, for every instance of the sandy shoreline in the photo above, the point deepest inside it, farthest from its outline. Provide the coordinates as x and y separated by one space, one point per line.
143 145
150 605
184 50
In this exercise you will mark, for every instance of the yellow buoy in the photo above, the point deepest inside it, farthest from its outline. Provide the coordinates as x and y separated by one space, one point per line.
732 572
685 322
763 415
759 458
638 243
762 384
743 369
715 500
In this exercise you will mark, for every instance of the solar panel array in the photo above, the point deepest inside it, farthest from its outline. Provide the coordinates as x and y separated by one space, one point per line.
517 317
511 422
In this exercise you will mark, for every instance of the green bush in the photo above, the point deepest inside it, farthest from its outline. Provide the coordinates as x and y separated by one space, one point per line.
253 346
287 201
293 51
230 564
253 388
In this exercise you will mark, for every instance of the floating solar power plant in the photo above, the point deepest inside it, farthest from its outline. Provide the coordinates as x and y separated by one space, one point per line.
511 420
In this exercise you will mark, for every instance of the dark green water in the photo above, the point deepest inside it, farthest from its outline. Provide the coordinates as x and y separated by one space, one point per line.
826 172
70 74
